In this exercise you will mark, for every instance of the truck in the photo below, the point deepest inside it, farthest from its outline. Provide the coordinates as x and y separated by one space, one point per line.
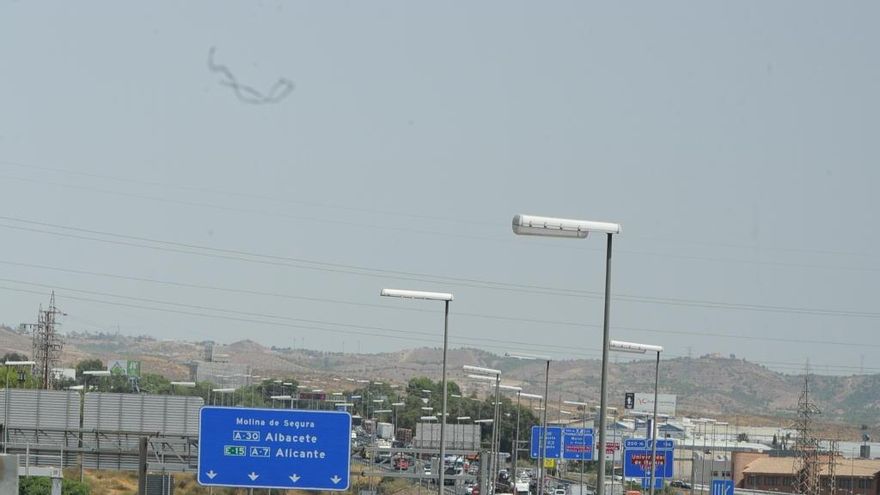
385 430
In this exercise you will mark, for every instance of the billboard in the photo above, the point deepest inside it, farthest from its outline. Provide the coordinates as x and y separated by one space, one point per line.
644 403
460 437
123 367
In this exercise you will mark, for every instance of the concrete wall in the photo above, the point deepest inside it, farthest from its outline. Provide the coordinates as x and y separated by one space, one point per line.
8 473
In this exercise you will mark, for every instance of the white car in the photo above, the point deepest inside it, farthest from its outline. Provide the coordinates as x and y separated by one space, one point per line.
559 491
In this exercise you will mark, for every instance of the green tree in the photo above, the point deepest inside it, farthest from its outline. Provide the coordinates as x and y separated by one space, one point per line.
13 356
87 365
14 374
151 383
34 485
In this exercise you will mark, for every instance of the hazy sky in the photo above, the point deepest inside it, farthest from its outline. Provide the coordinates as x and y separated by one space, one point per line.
736 142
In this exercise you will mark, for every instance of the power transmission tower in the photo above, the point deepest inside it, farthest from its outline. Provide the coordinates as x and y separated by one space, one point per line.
807 466
46 343
832 466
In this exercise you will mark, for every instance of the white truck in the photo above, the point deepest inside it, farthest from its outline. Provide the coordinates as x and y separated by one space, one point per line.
385 430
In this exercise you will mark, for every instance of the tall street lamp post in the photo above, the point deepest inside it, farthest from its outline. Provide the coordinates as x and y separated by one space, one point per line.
579 229
620 346
515 448
542 451
583 406
490 374
6 402
446 298
540 401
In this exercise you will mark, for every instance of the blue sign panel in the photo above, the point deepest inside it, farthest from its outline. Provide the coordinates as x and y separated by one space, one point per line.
722 487
553 449
646 483
577 444
637 459
274 448
641 443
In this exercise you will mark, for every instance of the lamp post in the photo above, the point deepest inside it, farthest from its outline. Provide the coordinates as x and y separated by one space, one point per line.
515 448
579 229
6 402
531 407
222 391
446 298
486 374
395 405
543 438
583 406
621 346
88 373
182 384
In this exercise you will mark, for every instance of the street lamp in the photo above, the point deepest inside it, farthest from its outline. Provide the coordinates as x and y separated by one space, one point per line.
583 406
543 438
222 391
6 404
446 298
579 229
481 373
621 346
88 373
515 452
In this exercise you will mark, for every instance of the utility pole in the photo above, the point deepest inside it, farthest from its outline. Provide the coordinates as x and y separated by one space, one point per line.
46 343
807 465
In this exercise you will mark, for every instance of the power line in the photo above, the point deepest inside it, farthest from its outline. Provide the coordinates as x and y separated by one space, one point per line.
701 333
500 345
191 203
361 209
251 211
252 317
303 263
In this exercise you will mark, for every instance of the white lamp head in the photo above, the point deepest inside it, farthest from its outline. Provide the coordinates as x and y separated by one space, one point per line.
560 227
416 294
621 346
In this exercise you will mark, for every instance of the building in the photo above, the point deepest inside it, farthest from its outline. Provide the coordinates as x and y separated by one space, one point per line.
221 374
754 471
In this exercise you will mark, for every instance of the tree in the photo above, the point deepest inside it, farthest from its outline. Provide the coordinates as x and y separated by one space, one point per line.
35 485
88 365
151 383
14 374
13 356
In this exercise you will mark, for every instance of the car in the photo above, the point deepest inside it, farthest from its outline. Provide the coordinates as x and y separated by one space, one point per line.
559 491
680 484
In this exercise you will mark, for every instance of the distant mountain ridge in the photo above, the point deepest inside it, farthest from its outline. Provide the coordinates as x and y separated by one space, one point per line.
705 386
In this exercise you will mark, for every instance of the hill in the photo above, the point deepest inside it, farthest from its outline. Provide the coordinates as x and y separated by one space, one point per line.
705 386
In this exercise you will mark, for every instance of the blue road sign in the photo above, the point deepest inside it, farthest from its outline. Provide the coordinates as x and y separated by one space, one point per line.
637 458
554 442
641 443
658 483
722 487
577 444
274 448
